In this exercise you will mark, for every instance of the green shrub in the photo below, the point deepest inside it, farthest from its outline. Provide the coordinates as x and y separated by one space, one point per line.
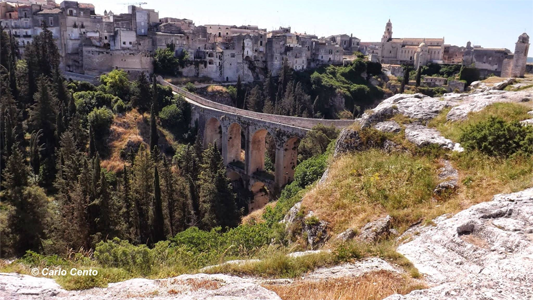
190 87
469 74
119 107
100 119
171 116
310 170
122 254
497 137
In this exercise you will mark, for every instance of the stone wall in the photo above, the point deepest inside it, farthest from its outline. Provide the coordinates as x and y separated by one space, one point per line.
98 60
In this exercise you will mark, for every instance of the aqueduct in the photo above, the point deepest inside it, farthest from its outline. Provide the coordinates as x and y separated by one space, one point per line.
234 130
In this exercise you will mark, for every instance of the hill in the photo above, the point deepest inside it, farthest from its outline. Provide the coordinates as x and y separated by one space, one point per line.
414 181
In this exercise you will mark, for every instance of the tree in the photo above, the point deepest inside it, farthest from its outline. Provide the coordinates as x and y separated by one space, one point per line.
116 83
166 62
316 141
27 221
43 114
217 201
142 192
141 94
154 136
405 79
100 120
241 94
159 221
418 75
254 101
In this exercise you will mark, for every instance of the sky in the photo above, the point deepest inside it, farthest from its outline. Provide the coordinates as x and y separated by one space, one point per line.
489 23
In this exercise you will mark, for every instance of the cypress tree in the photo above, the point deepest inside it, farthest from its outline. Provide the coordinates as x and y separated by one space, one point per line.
27 222
159 220
217 202
254 101
405 79
142 94
418 75
92 143
142 187
154 137
128 209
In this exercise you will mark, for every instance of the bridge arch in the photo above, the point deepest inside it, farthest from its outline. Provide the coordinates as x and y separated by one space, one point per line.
235 141
261 196
257 150
213 133
290 158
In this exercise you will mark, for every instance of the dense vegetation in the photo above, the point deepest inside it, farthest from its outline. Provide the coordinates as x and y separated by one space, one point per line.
55 194
312 93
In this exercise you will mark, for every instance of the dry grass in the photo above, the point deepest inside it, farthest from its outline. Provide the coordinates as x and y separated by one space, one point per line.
367 185
132 128
376 285
216 89
257 215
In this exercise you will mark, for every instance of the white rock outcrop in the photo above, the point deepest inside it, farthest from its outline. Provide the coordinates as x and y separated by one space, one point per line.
484 252
184 287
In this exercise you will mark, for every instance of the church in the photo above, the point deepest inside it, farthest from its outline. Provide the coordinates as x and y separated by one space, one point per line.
412 51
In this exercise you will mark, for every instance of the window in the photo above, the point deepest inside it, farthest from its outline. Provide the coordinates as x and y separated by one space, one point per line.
142 31
260 43
142 23
219 35
232 55
105 38
51 21
81 13
25 14
123 43
130 43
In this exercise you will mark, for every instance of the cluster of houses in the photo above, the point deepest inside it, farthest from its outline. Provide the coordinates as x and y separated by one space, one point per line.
91 44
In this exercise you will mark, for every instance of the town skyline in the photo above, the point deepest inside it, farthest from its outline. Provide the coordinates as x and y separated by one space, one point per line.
495 24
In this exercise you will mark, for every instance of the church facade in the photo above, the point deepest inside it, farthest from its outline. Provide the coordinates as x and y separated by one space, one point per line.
411 51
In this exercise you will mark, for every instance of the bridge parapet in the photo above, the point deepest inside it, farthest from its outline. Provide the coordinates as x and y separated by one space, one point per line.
306 123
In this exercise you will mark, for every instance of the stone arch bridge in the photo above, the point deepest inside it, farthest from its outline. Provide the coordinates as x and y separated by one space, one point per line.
235 130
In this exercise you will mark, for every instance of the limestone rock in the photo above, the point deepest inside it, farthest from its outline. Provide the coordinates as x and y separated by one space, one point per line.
292 215
415 106
184 287
346 235
503 84
375 230
422 136
483 252
352 270
348 141
308 252
449 177
315 230
528 122
388 126
478 101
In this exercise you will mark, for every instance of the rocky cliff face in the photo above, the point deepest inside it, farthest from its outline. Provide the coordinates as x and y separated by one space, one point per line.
484 252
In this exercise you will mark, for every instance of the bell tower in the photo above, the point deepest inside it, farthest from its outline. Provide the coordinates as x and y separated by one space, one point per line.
388 32
520 56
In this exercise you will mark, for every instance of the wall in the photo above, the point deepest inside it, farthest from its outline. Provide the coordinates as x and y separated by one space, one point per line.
98 60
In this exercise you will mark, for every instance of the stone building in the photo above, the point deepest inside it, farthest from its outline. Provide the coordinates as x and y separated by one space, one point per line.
515 65
404 50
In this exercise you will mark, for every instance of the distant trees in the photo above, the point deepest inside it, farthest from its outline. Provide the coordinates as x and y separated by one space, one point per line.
167 63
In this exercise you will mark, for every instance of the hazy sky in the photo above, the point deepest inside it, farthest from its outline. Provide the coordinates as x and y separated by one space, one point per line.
489 23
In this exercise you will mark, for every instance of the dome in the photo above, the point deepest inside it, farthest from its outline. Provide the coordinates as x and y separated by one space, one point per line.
422 45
